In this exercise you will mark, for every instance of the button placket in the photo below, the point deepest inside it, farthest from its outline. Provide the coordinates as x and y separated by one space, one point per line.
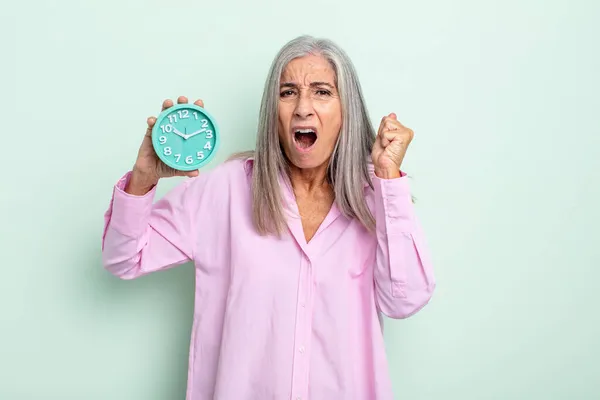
302 333
310 285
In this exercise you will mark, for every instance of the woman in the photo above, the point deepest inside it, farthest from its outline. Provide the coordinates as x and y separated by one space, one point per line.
298 246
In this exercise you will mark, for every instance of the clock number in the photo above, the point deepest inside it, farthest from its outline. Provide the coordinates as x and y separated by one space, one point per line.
195 115
183 114
189 160
200 155
207 146
177 157
172 118
204 123
209 134
166 128
167 151
162 139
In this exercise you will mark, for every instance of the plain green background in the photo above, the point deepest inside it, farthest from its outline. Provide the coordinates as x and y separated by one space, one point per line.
502 95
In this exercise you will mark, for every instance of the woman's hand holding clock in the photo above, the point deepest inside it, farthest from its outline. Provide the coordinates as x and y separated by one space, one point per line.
148 168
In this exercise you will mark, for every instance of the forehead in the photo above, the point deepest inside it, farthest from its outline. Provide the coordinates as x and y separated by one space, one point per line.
307 69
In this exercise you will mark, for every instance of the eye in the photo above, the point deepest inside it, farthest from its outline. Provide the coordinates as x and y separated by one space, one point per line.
286 93
323 92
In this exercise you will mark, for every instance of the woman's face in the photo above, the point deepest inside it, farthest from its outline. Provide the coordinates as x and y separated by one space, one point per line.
310 111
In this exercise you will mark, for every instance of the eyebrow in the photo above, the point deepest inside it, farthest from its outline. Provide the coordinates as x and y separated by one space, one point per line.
313 84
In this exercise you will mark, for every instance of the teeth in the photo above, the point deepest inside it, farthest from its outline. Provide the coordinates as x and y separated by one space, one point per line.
305 131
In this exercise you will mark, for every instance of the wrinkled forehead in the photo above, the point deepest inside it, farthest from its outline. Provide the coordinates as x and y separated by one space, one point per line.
309 70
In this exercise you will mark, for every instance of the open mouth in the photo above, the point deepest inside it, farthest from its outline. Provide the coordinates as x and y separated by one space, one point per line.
305 138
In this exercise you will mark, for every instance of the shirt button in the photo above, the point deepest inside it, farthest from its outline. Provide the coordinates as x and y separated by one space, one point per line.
301 349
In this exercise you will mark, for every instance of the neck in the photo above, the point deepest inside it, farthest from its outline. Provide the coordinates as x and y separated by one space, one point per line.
309 181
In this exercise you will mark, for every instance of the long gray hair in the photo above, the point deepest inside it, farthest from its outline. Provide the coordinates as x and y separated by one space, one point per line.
348 169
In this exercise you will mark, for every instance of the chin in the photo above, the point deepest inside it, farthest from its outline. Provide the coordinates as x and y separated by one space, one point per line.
306 160
306 164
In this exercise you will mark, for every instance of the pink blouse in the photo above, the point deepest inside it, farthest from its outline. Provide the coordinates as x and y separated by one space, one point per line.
277 318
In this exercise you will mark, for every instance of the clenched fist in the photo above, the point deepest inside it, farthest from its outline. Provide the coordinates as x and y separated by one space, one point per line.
390 147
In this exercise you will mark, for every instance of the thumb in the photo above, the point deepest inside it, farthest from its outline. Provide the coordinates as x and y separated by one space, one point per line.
393 115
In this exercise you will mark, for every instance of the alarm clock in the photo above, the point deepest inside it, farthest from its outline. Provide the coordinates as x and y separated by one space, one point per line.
185 137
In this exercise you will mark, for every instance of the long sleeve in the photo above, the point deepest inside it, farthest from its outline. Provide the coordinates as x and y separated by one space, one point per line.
140 237
404 279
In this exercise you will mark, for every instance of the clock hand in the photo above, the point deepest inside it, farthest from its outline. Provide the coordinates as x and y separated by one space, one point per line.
196 132
183 135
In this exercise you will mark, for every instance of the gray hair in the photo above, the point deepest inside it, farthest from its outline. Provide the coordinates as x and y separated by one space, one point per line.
348 169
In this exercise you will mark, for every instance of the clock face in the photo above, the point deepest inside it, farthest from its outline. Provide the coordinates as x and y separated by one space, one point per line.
185 137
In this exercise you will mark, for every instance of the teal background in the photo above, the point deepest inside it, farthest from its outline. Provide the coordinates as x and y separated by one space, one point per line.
505 166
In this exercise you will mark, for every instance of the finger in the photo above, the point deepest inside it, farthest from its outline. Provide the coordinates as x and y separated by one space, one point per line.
394 117
166 104
388 137
385 141
385 121
150 121
381 125
391 125
199 103
403 137
182 100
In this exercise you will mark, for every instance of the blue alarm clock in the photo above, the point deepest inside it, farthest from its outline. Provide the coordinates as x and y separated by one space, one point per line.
185 137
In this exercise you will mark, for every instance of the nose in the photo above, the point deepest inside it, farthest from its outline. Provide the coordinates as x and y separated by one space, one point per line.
304 106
